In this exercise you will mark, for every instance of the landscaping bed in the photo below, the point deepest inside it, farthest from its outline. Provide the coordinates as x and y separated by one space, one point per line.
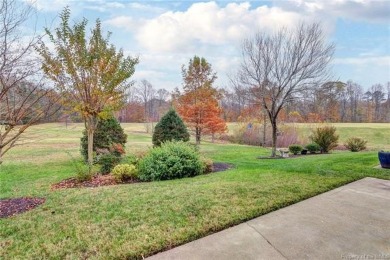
108 179
11 207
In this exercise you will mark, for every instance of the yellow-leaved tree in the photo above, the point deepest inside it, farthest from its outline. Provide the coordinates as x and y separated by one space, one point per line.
90 73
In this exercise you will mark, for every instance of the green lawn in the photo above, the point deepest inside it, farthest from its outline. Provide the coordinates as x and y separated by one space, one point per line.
136 220
377 134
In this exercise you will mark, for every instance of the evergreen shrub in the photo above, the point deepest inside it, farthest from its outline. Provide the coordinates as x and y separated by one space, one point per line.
170 128
171 160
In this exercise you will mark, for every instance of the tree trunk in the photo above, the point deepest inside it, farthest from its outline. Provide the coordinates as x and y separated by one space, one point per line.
197 135
1 150
274 136
90 125
90 146
264 129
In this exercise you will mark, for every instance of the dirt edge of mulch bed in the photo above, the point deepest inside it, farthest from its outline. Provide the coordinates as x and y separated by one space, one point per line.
106 180
291 156
14 206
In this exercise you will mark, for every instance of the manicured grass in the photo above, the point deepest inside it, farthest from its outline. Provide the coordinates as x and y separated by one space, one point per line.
136 220
377 134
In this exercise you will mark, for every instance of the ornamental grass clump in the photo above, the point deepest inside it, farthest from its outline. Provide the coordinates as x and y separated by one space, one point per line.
325 137
355 144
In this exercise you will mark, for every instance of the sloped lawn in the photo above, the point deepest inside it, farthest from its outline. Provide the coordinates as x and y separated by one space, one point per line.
137 220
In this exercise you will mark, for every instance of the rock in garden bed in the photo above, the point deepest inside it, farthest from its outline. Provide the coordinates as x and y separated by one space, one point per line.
11 207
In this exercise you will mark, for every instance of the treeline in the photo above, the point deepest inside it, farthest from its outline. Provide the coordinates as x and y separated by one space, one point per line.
330 102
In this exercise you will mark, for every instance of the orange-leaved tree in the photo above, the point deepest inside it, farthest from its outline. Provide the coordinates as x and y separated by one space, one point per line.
215 124
198 104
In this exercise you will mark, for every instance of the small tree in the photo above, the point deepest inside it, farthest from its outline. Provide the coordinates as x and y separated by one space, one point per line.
90 73
198 104
170 128
280 67
325 137
215 124
108 133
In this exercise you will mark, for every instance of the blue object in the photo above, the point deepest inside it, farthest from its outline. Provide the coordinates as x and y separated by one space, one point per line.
384 159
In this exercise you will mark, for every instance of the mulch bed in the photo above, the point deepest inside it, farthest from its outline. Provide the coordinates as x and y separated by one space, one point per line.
96 181
218 166
105 180
290 156
11 207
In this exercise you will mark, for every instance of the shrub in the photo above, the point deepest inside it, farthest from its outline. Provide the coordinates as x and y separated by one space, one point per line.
355 144
313 147
131 159
288 135
295 148
83 170
83 173
207 165
108 135
123 172
107 162
245 133
171 160
325 137
170 128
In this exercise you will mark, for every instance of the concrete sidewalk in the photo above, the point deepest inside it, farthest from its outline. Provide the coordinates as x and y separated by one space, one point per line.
350 222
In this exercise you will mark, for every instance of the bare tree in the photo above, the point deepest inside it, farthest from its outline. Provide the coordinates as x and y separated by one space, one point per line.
378 96
146 93
162 95
283 65
22 103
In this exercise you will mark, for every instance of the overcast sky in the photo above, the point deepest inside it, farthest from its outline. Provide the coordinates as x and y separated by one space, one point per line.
166 34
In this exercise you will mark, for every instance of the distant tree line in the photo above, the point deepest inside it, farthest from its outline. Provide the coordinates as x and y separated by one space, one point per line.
328 102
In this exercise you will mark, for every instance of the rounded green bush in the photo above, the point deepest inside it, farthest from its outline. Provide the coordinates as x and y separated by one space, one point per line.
313 147
295 148
171 160
123 172
131 159
355 144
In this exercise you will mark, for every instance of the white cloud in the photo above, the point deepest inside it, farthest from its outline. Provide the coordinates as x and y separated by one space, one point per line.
123 22
367 10
208 23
